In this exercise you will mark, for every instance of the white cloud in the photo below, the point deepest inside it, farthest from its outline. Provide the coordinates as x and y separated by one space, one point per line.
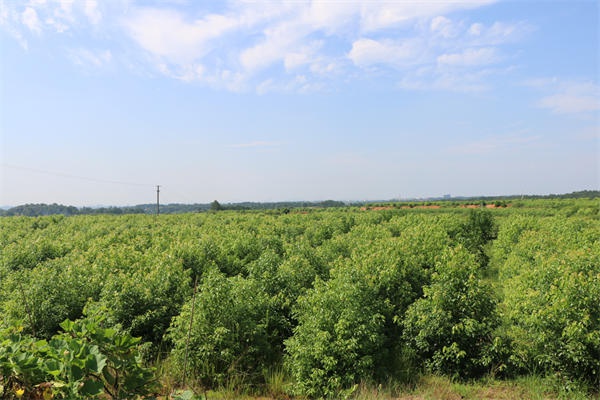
4 13
565 103
568 97
451 79
57 25
288 37
60 11
475 29
303 56
541 83
8 19
443 55
60 16
465 83
470 57
30 20
92 12
168 34
296 59
443 26
366 52
295 38
85 57
382 15
324 66
267 52
499 32
288 45
331 17
299 83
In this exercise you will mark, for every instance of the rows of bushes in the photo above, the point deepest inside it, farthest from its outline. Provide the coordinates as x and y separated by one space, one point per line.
334 298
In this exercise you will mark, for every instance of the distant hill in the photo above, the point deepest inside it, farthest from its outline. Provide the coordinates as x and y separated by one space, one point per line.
33 210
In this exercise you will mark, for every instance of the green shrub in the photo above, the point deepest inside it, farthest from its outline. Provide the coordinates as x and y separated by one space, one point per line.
229 334
451 326
476 233
48 294
551 300
348 329
338 336
144 300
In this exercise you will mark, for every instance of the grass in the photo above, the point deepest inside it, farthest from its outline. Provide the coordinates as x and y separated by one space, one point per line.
428 387
439 388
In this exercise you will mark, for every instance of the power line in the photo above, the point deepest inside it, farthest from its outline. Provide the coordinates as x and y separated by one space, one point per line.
70 176
92 179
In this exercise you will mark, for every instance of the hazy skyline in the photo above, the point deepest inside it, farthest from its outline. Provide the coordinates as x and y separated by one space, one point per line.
275 101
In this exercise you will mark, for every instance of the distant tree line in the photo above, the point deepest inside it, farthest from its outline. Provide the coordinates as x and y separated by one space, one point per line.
582 194
41 209
34 210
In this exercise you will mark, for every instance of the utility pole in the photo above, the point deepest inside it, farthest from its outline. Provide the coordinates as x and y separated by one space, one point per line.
157 199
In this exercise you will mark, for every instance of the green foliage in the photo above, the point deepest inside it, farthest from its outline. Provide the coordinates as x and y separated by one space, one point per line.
144 300
230 330
18 257
551 299
451 326
338 335
46 295
477 232
86 361
346 324
322 294
123 375
215 206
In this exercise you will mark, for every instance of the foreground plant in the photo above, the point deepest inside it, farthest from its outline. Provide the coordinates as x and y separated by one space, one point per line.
85 361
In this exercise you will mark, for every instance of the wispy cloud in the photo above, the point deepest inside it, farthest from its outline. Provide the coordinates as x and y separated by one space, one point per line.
92 12
567 97
573 98
170 35
30 20
284 46
568 103
41 17
10 21
452 79
367 52
470 57
499 32
90 58
445 55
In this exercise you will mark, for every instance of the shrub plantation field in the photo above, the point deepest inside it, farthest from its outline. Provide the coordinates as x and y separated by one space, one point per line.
372 302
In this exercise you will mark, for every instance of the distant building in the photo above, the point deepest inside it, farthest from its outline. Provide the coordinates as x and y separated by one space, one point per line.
447 197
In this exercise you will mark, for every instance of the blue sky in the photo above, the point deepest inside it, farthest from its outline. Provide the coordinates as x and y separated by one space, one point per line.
301 100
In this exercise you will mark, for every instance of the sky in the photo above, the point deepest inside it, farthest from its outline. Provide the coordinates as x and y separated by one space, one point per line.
100 101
